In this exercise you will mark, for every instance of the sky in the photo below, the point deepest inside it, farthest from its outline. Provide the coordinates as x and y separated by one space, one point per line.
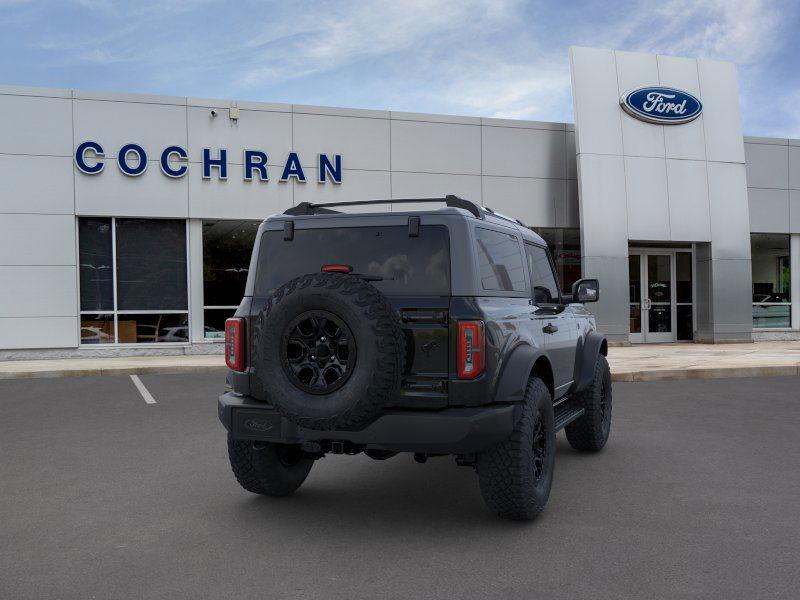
497 58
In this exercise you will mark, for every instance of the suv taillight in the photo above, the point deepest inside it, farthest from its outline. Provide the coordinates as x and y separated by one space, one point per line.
471 349
234 343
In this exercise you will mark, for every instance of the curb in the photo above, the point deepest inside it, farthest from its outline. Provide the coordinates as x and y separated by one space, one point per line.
625 376
705 373
112 371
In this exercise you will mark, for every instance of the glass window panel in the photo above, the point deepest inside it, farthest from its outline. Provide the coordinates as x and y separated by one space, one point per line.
636 318
215 322
543 281
500 261
659 318
151 264
635 276
153 328
227 246
565 248
771 280
659 285
683 277
97 329
772 315
685 329
408 266
96 264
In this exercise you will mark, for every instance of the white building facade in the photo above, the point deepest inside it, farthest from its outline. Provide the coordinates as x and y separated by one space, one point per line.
126 220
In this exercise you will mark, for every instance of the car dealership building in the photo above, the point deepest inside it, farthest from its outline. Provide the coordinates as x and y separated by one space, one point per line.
126 220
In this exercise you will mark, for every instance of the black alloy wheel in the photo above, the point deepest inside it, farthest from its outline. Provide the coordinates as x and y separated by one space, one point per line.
319 352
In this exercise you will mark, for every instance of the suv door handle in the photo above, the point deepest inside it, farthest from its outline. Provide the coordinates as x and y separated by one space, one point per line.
549 328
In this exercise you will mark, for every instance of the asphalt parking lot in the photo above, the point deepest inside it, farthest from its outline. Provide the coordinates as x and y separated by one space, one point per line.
107 496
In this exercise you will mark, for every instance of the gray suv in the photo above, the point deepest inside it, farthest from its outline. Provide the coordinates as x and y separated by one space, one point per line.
435 332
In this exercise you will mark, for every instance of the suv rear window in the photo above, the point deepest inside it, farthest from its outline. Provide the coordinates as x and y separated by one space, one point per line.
410 266
500 261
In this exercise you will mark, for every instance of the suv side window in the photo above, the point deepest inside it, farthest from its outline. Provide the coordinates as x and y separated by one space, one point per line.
500 261
543 280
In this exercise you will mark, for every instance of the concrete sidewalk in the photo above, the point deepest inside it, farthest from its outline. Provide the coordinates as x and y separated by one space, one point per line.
658 362
128 365
655 362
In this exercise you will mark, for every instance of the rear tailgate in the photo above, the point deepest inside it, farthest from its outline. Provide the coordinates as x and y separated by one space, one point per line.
411 269
426 329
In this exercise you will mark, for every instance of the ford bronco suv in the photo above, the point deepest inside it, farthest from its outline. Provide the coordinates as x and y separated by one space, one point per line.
435 332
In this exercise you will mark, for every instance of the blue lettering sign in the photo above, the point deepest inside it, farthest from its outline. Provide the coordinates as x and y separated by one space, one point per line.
662 105
167 168
221 163
174 162
122 160
293 168
327 169
255 160
80 158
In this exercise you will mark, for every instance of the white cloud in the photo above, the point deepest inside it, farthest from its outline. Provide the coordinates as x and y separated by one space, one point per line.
504 58
738 30
356 31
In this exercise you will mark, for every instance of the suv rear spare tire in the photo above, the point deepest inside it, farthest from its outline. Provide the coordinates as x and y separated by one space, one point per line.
328 351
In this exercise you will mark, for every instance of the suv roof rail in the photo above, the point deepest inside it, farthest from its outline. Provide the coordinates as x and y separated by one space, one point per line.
502 216
307 208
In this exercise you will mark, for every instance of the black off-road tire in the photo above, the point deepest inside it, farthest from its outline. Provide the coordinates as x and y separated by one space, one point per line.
590 432
268 469
375 377
506 471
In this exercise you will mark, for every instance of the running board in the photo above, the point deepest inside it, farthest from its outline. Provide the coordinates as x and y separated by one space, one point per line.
566 415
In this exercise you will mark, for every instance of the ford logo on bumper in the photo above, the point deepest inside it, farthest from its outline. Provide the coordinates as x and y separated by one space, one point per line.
662 105
259 425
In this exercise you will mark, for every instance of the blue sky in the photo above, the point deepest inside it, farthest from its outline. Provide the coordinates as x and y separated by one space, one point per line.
503 58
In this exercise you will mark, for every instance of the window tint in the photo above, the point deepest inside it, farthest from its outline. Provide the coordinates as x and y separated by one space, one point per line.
151 264
500 261
148 267
772 289
227 246
565 248
409 266
96 264
543 281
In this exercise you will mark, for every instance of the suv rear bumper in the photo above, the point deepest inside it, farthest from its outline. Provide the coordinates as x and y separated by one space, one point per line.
448 431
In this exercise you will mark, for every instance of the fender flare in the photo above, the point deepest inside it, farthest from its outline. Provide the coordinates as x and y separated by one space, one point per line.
513 378
593 345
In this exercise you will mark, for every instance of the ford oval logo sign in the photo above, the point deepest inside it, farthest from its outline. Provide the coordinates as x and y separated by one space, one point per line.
663 105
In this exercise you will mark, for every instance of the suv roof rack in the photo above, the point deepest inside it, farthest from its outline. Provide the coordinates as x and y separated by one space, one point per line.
307 208
502 216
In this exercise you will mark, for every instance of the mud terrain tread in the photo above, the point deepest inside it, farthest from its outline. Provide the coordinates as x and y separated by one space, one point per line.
260 472
505 471
586 433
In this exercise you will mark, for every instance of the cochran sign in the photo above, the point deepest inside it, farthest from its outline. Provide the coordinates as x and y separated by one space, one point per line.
663 105
132 161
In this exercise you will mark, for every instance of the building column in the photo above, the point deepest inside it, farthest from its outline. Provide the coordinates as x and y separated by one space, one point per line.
794 270
196 318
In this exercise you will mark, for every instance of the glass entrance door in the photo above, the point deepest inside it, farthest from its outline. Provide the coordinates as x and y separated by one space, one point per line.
661 295
658 302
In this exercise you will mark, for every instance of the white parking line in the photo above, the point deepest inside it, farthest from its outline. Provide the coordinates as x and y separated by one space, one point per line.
148 397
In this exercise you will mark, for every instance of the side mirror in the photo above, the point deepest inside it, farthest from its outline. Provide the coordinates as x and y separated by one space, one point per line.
586 290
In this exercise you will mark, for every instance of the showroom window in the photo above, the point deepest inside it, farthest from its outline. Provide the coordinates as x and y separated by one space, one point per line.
133 281
772 306
565 247
227 246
